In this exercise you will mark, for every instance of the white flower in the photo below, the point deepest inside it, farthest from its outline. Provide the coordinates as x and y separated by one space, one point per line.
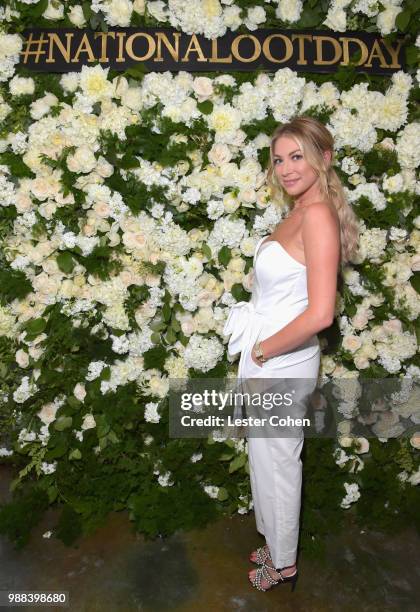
79 392
289 10
165 480
82 160
94 83
212 491
88 422
197 456
20 86
76 16
203 353
48 468
151 414
70 81
352 495
386 19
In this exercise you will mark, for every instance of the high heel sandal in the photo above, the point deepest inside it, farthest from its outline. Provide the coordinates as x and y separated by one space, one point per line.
262 555
263 573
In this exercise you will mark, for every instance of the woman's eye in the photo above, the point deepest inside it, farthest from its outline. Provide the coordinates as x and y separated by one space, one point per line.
297 156
276 160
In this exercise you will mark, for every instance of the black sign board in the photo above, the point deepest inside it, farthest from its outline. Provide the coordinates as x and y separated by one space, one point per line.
160 49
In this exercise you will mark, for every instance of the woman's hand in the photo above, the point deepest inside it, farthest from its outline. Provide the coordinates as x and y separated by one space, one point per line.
254 359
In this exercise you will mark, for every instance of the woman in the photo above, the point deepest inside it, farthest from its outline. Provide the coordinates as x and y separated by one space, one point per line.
293 299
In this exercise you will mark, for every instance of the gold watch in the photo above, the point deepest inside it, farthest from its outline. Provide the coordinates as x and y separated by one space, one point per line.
259 352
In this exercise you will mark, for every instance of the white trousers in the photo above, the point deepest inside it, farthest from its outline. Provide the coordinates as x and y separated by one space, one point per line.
276 468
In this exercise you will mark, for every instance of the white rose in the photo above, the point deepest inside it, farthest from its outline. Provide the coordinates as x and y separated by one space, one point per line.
230 202
132 98
219 154
79 392
22 358
48 412
103 167
203 88
88 422
54 10
76 16
351 343
70 81
139 6
289 10
393 326
415 440
82 160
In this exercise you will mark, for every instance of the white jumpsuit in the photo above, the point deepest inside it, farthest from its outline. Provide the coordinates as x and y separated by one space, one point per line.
279 295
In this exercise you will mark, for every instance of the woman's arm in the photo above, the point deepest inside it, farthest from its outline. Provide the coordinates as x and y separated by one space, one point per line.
321 241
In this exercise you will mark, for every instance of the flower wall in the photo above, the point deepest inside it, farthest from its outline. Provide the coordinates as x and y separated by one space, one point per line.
130 207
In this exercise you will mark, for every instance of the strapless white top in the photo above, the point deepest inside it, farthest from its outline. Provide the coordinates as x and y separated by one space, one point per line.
279 295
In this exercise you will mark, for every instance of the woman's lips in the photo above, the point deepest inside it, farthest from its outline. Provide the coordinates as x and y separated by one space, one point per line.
290 183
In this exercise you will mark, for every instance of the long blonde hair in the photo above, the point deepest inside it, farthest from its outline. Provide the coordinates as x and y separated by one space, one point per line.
314 139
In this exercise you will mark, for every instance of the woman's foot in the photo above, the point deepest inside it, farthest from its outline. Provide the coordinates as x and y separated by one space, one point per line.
288 571
261 555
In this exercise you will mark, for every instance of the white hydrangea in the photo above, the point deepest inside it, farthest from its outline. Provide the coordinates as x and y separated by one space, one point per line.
151 413
352 494
203 353
408 146
289 10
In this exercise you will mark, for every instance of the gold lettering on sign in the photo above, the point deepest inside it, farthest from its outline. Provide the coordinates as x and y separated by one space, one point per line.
376 52
120 56
84 47
173 50
301 40
104 44
215 54
287 44
320 61
65 51
235 48
129 46
393 52
194 47
346 56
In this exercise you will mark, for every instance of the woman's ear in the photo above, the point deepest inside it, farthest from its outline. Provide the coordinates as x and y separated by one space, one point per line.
327 157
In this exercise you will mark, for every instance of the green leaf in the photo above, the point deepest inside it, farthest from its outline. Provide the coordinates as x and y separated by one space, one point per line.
36 326
237 463
63 422
205 107
239 292
65 262
402 20
129 161
225 255
206 250
155 338
223 494
102 426
310 17
166 311
112 437
137 71
52 492
75 454
170 336
415 281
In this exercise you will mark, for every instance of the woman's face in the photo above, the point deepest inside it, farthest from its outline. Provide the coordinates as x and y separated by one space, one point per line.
293 172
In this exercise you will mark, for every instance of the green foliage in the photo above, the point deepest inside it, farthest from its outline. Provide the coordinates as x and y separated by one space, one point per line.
161 511
19 517
13 285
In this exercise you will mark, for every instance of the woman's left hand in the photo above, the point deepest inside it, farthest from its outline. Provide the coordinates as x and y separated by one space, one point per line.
254 359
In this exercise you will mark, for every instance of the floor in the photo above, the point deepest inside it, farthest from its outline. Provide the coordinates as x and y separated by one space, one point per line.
115 570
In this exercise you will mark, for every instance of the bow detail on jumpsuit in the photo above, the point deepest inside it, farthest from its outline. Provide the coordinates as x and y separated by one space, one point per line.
238 324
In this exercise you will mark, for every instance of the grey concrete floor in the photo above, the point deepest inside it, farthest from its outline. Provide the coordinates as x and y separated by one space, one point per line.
115 570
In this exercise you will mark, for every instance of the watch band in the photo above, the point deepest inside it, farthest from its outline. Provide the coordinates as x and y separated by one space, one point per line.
259 352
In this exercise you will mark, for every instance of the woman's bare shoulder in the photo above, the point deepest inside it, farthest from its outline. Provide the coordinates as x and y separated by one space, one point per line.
322 211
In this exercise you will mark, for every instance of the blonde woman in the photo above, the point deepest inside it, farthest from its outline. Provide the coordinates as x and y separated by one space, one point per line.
293 298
